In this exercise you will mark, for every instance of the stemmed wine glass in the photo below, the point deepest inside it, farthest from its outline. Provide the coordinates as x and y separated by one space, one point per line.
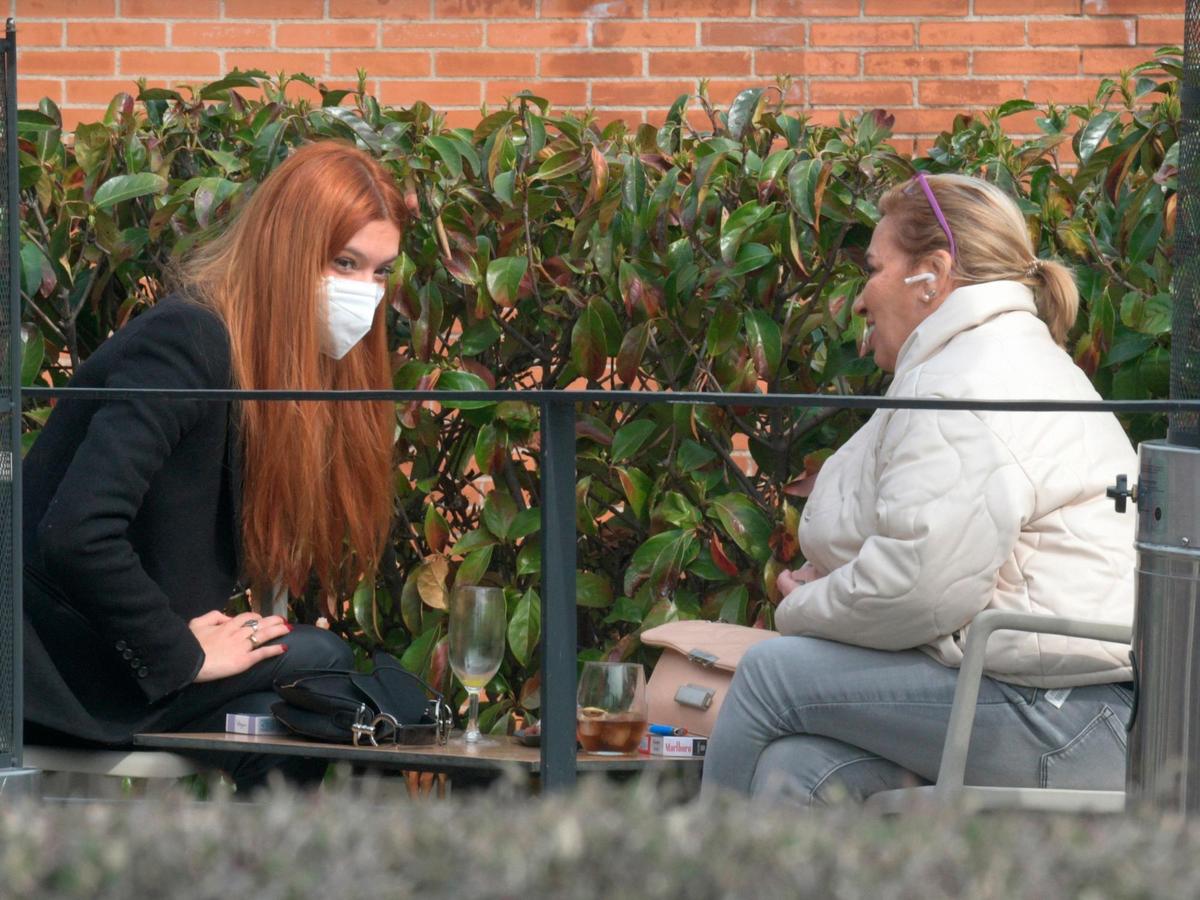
477 619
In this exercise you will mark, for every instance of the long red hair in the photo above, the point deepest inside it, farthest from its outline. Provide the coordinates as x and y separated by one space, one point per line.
316 474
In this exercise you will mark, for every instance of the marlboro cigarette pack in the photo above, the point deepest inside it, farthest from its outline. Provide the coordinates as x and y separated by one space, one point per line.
668 745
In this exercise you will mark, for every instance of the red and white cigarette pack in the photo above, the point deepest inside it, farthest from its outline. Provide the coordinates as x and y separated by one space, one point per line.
670 745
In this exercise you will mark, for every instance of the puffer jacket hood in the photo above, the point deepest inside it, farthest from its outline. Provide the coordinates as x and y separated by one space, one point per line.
925 518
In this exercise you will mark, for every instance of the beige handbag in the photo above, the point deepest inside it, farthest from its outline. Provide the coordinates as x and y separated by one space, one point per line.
695 670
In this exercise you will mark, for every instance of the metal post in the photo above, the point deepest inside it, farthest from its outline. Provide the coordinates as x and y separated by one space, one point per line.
14 779
1163 770
558 593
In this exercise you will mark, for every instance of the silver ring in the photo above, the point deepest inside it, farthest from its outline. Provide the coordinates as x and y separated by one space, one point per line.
253 640
252 624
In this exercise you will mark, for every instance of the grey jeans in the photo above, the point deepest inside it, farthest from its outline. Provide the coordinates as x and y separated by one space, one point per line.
815 721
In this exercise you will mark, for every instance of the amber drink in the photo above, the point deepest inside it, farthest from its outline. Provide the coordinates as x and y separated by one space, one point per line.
611 713
601 732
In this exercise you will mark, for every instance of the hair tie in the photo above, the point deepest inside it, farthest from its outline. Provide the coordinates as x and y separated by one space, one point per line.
1033 269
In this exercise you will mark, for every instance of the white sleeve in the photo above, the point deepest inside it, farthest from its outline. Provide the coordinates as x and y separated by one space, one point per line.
950 502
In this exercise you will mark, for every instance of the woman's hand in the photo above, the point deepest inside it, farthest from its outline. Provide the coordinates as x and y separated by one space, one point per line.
789 580
226 642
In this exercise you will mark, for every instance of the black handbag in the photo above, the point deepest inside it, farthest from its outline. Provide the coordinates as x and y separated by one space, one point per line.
387 706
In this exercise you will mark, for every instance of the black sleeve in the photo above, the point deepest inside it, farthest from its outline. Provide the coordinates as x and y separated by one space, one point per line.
83 535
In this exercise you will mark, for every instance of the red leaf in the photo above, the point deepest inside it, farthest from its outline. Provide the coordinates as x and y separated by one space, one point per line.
723 562
783 544
477 368
438 663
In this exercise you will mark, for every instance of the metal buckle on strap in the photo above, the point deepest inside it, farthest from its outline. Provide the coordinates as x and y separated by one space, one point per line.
444 718
381 729
363 727
702 658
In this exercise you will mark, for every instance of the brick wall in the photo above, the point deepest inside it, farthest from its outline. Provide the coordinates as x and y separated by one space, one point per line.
924 60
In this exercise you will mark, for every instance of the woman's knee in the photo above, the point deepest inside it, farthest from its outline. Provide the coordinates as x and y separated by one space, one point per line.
810 770
316 648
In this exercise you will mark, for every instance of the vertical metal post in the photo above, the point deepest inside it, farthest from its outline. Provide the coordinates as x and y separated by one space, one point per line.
1163 765
558 593
14 780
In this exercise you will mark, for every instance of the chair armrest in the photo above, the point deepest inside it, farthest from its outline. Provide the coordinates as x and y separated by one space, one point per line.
966 690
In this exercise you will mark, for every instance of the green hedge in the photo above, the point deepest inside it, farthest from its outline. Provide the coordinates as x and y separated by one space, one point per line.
597 843
547 251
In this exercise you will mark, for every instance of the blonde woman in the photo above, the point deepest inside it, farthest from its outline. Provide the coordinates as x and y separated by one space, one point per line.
141 516
925 518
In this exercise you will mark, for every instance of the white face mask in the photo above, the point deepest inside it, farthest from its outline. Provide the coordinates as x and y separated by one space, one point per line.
349 311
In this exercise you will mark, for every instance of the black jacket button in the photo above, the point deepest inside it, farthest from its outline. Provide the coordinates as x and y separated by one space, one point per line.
121 646
135 662
143 672
127 654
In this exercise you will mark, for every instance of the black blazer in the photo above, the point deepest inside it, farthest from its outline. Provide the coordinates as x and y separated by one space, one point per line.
131 511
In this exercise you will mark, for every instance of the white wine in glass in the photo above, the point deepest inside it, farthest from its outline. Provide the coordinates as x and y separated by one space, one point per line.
478 617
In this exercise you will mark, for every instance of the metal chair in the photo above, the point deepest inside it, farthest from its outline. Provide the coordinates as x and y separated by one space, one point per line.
949 787
98 773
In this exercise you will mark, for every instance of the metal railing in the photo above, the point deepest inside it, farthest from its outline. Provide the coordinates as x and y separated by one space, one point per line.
557 458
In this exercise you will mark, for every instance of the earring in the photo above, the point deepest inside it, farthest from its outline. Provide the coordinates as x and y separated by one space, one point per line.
929 295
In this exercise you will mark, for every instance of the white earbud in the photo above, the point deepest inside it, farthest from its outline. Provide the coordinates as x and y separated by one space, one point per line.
922 276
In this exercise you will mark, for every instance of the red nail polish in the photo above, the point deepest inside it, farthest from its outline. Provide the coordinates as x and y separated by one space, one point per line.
284 646
289 627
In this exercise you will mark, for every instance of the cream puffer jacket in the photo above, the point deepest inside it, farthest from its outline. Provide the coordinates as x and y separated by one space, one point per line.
925 518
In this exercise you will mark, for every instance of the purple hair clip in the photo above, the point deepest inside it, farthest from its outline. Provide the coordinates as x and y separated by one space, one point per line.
937 212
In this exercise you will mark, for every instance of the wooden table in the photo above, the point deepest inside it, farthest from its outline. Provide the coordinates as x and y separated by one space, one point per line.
456 756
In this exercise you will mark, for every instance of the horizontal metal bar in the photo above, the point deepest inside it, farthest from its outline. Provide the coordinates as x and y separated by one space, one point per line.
640 398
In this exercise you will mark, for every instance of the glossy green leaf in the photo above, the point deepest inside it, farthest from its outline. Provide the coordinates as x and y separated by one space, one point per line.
1148 315
632 352
504 279
588 342
479 337
593 590
474 566
525 627
741 113
745 523
803 179
121 188
1094 133
33 354
560 165
637 486
692 456
529 558
675 509
216 90
366 610
631 437
750 258
416 657
766 342
453 380
448 152
525 523
93 143
661 559
499 512
472 541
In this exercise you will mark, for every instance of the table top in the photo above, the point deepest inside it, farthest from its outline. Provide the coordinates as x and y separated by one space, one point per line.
504 753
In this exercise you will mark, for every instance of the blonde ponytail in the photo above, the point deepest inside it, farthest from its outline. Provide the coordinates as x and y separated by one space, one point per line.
1056 296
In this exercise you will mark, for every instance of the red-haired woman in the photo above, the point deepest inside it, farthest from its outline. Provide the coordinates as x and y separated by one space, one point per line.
141 516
